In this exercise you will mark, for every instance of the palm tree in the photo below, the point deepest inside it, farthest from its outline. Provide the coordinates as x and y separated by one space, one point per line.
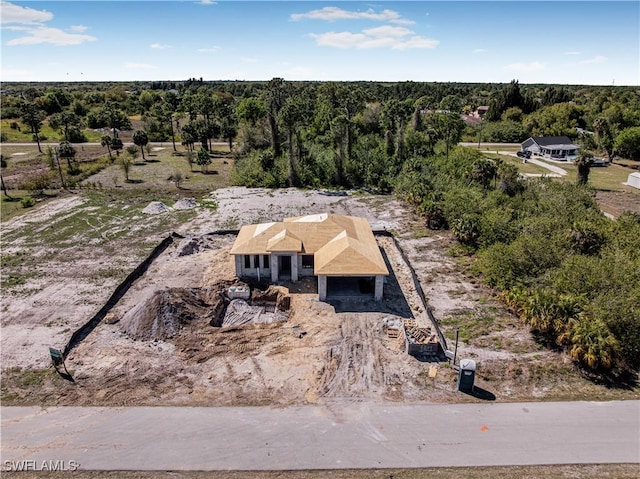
141 139
593 343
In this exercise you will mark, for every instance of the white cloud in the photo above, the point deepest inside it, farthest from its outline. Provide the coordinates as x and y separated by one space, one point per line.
479 50
207 2
331 14
572 53
54 36
386 36
32 22
15 14
212 49
527 67
250 60
159 46
594 60
140 66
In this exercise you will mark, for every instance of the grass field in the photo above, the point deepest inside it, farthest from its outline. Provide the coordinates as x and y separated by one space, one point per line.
608 178
24 135
147 179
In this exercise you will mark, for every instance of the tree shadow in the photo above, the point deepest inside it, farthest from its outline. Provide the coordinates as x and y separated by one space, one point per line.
626 379
135 182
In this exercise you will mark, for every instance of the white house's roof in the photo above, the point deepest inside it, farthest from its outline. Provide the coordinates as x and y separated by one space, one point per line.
551 142
341 245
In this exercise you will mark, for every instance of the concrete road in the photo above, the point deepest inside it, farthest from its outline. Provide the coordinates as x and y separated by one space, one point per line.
317 437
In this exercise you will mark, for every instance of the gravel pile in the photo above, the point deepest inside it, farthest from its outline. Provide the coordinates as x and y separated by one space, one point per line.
185 204
155 208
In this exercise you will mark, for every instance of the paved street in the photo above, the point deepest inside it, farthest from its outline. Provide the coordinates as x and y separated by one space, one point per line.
319 437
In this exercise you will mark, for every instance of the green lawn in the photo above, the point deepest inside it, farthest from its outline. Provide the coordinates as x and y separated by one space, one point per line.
606 178
525 168
24 135
160 165
148 178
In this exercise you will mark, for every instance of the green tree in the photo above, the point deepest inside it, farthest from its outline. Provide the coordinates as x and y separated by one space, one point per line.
141 139
292 114
68 123
68 152
395 115
203 159
447 127
33 117
627 143
275 96
251 110
604 136
584 162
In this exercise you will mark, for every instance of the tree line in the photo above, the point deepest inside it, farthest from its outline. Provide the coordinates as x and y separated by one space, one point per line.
566 270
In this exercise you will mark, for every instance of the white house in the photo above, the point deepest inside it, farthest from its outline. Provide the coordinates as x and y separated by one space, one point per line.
552 147
340 250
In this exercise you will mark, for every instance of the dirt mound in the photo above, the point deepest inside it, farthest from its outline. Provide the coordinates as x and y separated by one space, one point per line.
155 208
185 204
277 295
165 313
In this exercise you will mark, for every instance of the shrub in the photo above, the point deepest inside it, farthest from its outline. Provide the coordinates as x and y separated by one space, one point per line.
38 183
27 202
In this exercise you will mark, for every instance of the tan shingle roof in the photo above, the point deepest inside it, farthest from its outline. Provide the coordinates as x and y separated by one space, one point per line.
342 245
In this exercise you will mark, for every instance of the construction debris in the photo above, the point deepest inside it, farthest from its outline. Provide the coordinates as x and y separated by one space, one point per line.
240 312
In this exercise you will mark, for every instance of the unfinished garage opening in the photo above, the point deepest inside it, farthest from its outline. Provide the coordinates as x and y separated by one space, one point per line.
350 286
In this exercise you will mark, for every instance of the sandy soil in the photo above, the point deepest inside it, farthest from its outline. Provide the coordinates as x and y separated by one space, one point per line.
323 353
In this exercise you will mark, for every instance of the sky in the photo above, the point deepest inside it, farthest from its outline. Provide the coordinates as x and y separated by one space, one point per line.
575 42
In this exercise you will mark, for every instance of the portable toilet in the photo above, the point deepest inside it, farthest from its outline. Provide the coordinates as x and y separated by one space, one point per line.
466 375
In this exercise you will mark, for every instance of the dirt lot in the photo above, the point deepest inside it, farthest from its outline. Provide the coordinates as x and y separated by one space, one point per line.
62 261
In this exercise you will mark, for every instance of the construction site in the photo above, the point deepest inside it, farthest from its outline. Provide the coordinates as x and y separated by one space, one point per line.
229 341
177 326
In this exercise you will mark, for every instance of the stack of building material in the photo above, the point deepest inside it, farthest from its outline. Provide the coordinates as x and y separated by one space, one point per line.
420 341
394 327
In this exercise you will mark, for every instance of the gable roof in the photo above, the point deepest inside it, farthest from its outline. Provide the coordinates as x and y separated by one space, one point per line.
550 141
341 245
346 255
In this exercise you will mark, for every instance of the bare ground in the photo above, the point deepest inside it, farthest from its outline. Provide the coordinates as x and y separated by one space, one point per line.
323 353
